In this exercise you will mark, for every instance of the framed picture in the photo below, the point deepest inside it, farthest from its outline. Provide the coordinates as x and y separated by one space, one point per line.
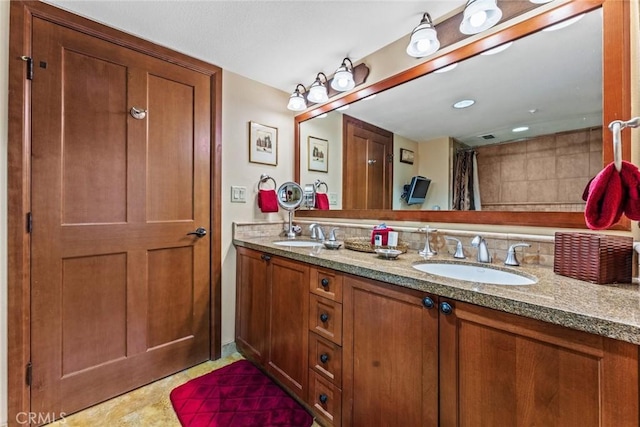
406 156
263 144
318 154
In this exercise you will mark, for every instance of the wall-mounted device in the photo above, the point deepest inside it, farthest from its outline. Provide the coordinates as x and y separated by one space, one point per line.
415 192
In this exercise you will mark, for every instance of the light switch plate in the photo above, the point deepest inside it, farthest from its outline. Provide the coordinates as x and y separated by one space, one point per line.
333 198
238 194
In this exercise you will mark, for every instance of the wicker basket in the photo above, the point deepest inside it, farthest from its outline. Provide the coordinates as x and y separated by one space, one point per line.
363 244
595 258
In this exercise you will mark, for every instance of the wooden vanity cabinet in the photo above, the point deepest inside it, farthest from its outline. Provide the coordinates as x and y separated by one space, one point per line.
390 355
499 369
271 316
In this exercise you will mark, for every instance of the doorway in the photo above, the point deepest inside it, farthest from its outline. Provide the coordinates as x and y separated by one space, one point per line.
109 287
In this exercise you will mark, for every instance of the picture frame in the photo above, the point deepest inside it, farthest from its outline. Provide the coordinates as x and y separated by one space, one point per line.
263 144
318 154
406 156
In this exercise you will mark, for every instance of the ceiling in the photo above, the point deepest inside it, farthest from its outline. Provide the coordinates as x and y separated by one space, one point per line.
284 42
277 42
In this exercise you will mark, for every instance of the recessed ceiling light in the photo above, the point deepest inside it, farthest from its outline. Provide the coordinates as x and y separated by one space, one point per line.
447 68
344 107
322 116
564 23
464 103
371 96
520 129
540 1
497 49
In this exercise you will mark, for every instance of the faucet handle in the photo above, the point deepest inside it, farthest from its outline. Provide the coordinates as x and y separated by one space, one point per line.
459 252
332 234
511 254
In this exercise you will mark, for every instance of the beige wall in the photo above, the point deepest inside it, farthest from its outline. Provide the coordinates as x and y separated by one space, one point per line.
245 100
402 172
433 167
329 128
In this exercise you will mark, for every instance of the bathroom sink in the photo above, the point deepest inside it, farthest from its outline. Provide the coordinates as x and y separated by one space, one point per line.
475 273
297 243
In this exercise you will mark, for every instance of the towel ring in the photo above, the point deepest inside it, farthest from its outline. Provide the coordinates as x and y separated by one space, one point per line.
615 127
318 183
264 178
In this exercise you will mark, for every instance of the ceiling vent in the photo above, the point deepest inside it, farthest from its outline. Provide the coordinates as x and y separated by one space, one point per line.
487 136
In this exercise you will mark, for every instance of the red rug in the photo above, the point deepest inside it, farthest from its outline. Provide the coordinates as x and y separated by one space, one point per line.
237 395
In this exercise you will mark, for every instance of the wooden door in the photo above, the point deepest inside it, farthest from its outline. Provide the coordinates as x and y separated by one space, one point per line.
367 165
120 292
498 369
288 331
390 356
252 291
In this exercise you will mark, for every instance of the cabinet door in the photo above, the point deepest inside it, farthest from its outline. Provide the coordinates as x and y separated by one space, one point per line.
499 369
390 356
289 336
251 304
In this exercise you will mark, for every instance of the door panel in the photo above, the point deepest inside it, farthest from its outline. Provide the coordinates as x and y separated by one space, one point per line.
120 293
366 167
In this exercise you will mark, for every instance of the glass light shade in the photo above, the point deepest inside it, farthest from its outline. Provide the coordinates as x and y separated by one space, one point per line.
318 92
424 41
343 80
296 102
480 15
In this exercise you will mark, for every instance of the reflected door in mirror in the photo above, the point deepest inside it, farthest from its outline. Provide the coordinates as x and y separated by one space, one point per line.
367 181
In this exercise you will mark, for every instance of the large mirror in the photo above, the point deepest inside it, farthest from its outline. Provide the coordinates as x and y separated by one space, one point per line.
552 81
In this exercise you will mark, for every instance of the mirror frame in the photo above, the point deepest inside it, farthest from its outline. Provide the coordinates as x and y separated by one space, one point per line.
616 81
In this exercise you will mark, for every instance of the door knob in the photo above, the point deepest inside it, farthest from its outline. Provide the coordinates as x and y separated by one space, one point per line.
200 232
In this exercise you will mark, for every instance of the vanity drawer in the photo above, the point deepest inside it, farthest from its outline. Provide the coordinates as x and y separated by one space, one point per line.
325 358
326 283
325 318
325 398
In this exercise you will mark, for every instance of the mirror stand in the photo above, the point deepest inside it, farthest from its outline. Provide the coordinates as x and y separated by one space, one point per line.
290 197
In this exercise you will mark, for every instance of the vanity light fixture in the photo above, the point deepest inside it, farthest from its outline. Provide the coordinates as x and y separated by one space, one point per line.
565 23
465 103
497 49
343 77
296 100
318 90
344 107
322 116
479 15
424 38
447 68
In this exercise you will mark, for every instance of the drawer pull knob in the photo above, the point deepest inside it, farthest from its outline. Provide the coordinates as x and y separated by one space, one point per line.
323 398
324 282
265 257
324 357
446 308
324 317
428 302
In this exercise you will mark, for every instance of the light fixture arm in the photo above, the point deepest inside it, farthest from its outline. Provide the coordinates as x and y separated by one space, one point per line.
344 64
426 19
323 75
304 89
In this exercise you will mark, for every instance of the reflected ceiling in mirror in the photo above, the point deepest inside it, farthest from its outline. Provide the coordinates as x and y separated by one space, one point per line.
550 81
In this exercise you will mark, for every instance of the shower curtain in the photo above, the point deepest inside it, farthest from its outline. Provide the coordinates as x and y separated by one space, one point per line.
466 189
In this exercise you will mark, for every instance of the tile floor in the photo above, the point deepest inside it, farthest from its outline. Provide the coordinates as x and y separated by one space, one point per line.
147 406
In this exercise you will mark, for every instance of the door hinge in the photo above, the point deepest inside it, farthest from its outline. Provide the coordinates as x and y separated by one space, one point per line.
29 62
29 222
28 374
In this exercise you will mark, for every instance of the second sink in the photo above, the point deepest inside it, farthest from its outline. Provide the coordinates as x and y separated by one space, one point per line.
475 273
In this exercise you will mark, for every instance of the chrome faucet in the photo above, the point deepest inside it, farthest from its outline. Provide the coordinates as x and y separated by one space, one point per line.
459 252
316 232
511 254
483 251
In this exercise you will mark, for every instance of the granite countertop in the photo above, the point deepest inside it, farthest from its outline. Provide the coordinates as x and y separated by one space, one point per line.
608 310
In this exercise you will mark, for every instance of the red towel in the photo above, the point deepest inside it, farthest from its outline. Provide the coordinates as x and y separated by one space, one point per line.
268 200
605 199
322 201
630 176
